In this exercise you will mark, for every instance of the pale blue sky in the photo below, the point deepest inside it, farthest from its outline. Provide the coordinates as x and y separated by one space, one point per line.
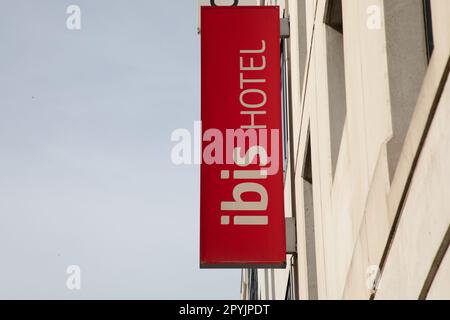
85 172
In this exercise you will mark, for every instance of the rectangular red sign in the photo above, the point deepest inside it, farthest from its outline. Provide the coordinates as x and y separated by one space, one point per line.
242 203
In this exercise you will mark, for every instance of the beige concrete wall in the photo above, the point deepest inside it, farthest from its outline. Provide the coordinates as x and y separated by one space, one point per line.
421 180
368 215
425 217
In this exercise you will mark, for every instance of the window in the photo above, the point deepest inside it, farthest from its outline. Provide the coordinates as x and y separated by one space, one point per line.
292 288
289 289
253 284
333 15
428 28
336 77
308 199
285 104
303 41
409 44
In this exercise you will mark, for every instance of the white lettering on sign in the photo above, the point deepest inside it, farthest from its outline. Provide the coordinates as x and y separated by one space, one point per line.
249 98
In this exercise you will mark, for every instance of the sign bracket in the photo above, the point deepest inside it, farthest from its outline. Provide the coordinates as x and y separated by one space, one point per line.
291 236
285 31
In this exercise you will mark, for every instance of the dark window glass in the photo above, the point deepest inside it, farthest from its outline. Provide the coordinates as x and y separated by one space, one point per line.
289 289
284 105
253 284
333 14
428 28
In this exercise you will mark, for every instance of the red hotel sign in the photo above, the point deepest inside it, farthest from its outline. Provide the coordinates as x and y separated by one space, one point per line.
242 203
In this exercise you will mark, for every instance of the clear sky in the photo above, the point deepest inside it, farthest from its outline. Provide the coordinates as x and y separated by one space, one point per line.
86 176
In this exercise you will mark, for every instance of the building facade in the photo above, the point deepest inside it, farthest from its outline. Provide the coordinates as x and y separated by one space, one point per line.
366 103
